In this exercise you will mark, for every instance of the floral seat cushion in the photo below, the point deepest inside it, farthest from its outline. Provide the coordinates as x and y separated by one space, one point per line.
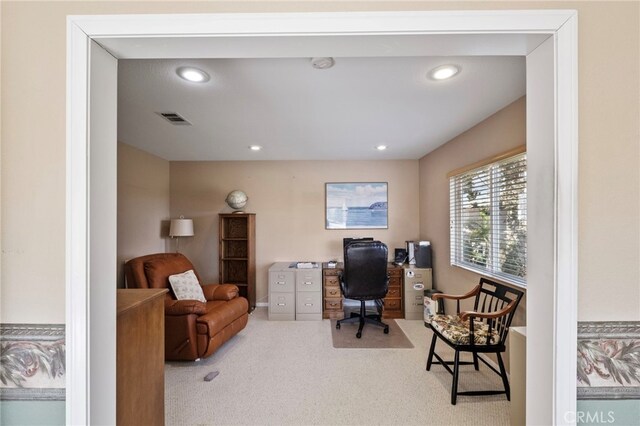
457 331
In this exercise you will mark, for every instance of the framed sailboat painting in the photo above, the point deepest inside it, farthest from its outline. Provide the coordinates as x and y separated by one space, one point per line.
356 205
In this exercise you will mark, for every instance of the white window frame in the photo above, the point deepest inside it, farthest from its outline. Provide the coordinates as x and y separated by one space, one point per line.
455 227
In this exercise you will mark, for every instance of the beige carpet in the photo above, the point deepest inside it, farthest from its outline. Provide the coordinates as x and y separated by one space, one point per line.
372 337
289 373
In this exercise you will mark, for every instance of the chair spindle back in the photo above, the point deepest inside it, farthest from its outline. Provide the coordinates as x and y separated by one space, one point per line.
494 297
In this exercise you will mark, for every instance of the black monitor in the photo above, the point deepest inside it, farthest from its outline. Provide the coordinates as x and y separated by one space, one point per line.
347 240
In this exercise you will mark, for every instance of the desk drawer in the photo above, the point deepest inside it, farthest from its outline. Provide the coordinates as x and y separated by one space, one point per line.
332 281
331 272
332 304
394 291
395 272
395 281
331 292
392 304
281 281
309 303
281 303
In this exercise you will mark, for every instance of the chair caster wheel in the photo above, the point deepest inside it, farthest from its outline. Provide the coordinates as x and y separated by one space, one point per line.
358 335
386 330
338 326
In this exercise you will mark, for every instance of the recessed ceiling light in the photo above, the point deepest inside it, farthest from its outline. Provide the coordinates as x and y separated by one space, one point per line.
381 147
193 74
444 72
255 147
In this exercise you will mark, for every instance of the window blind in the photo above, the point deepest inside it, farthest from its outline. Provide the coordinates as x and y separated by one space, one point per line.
488 214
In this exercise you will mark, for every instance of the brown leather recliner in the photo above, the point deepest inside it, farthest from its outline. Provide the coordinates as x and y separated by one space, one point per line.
193 329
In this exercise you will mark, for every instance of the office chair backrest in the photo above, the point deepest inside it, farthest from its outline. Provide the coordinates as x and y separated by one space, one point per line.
365 270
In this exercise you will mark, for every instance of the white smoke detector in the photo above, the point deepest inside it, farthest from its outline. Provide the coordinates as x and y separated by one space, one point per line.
322 63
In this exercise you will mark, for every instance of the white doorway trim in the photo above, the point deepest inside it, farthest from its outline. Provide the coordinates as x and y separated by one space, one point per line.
556 302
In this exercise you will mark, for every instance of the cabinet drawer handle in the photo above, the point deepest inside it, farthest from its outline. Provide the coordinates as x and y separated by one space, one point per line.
282 304
332 281
333 292
281 282
308 304
333 304
308 282
393 291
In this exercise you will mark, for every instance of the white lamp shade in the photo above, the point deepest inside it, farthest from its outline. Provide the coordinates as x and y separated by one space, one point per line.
181 228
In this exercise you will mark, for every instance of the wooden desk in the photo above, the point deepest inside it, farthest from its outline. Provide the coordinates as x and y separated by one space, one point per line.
332 296
140 357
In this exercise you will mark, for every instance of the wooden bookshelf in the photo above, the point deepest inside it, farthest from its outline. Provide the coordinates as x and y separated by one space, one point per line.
237 253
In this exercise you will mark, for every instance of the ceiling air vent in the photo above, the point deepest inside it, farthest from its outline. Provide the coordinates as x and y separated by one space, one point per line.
174 118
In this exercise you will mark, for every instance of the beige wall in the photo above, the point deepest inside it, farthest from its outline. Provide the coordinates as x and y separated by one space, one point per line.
1 318
288 198
501 132
609 161
143 204
33 145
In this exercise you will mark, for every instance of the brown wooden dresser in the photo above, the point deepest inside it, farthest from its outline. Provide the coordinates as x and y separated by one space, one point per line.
333 300
140 357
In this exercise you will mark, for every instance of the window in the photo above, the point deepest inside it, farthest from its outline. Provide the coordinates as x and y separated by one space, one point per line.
488 213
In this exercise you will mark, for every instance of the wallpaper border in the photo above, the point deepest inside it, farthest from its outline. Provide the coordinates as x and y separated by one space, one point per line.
608 351
29 353
605 348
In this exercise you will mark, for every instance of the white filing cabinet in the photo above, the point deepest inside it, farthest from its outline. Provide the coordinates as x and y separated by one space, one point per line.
282 292
294 294
309 294
416 281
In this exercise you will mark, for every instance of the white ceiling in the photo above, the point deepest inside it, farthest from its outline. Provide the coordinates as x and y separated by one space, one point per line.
297 112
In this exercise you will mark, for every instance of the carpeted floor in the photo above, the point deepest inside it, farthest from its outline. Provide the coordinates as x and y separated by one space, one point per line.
372 336
289 373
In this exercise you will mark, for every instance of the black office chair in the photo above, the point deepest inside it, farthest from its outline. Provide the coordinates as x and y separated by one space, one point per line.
365 277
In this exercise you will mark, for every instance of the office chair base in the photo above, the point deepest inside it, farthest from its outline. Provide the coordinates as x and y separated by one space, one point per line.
363 319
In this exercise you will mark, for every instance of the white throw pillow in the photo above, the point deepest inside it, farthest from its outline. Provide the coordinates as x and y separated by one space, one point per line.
186 286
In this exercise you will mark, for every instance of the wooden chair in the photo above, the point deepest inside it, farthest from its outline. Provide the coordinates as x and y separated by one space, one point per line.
483 330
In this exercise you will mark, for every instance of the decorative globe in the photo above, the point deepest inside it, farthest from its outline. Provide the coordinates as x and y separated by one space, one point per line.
237 199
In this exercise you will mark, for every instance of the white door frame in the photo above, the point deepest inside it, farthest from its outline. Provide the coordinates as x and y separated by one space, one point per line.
555 303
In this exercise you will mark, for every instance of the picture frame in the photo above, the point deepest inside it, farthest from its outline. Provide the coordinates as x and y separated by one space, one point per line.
356 205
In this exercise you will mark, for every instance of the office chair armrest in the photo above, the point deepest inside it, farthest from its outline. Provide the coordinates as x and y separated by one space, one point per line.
184 307
472 293
489 315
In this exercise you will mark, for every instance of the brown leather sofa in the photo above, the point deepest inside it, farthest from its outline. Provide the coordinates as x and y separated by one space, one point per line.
193 329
